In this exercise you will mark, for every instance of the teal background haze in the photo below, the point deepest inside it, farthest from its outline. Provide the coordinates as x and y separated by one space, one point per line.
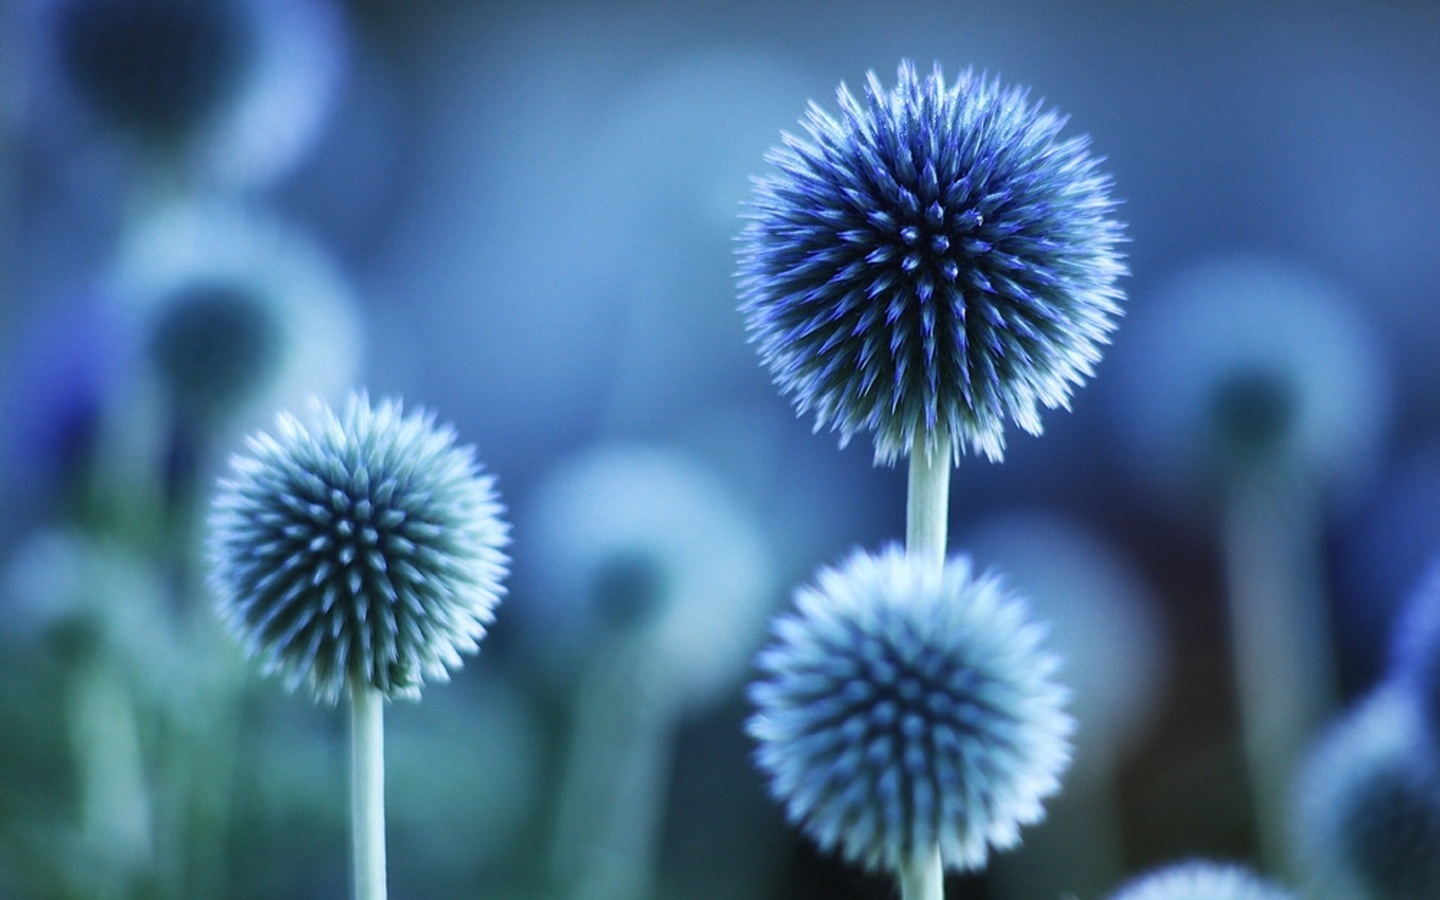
535 207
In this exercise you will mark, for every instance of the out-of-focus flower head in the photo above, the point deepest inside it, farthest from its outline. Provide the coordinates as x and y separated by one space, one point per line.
1201 880
363 548
903 709
238 313
1104 622
1367 804
1240 361
936 261
644 542
234 91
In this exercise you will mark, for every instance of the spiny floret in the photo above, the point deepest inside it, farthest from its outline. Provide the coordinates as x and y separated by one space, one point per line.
904 709
934 262
1201 880
361 549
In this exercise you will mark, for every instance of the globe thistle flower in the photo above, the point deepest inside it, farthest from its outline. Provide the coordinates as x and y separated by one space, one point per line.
1200 880
935 262
644 542
237 312
1367 816
904 709
235 88
363 548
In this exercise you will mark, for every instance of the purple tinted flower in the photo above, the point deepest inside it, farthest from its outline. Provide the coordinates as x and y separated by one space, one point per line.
935 261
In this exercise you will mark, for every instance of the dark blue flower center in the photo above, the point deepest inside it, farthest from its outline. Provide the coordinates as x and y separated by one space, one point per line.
161 67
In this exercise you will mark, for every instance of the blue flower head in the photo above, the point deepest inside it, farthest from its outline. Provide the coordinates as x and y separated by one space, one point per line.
1198 880
642 542
936 261
1368 805
232 91
361 549
238 313
159 68
903 709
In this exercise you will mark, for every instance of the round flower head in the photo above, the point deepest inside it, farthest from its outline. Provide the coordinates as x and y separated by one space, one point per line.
902 710
1368 805
363 548
936 261
1199 880
159 68
1104 622
239 87
237 312
643 541
1245 361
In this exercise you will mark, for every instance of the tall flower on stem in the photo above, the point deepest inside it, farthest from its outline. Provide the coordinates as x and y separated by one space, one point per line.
359 554
933 264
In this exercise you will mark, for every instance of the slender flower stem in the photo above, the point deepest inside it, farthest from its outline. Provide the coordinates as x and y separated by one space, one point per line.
1279 631
927 507
923 878
927 514
367 792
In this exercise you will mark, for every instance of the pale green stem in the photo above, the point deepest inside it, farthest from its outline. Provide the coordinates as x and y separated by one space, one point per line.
612 799
923 877
927 507
1280 634
114 799
367 792
927 514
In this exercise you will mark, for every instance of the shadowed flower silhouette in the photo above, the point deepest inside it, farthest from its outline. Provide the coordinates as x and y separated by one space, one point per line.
1367 816
937 259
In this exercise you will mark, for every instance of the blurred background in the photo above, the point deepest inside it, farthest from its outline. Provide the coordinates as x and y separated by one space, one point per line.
522 217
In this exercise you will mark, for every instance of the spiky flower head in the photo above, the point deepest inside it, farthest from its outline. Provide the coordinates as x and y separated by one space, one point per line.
903 709
362 548
1368 804
1201 880
936 261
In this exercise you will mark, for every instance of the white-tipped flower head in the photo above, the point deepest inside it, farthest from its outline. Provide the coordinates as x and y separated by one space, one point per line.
1368 805
361 549
936 261
646 543
1200 880
1244 361
903 709
237 313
